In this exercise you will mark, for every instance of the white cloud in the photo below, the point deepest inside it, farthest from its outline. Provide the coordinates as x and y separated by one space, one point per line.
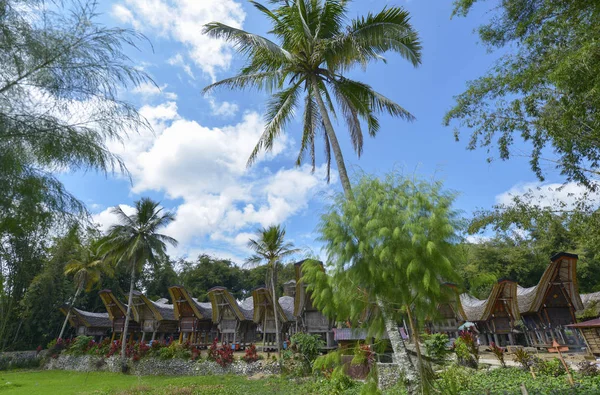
149 90
106 218
222 200
183 21
224 108
177 60
548 194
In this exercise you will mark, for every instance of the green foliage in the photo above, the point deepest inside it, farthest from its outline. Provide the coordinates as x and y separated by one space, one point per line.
545 87
394 242
550 367
453 380
80 345
175 350
498 353
309 346
524 358
466 349
325 364
436 346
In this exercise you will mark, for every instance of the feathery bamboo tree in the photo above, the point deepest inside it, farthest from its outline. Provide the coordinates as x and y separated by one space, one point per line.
135 241
270 247
315 45
87 272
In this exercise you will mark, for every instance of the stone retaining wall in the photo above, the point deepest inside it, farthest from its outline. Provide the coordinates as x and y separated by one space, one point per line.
19 359
388 375
156 366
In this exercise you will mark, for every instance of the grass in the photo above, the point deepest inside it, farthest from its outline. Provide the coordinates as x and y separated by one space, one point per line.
63 382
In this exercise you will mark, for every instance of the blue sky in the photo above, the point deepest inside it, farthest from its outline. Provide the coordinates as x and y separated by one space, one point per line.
194 163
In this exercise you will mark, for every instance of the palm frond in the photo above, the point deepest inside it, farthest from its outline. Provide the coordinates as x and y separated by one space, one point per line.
267 80
280 110
245 42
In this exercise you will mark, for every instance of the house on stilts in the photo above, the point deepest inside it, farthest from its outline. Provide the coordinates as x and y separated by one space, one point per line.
496 316
195 318
155 318
308 318
85 323
234 321
548 307
117 312
264 316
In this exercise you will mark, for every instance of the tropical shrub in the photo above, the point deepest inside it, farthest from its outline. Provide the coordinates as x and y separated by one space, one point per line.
224 355
466 349
552 367
176 350
213 350
251 355
498 353
309 346
525 359
453 380
436 346
81 345
363 355
325 364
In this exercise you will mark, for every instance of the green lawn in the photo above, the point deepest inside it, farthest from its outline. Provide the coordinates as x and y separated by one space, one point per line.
62 382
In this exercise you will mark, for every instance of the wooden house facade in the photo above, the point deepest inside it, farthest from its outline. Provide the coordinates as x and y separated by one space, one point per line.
495 317
195 318
117 312
264 316
547 308
235 321
308 318
451 314
155 318
85 323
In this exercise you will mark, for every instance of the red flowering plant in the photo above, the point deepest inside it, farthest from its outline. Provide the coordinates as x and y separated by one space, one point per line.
251 354
224 355
213 350
114 348
196 353
499 353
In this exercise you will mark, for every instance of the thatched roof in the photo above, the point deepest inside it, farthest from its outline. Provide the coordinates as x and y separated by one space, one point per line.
114 307
263 304
454 302
220 298
287 304
186 306
81 317
161 310
481 310
562 269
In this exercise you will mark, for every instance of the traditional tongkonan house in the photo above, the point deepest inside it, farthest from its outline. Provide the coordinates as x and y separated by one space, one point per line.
235 322
117 312
550 305
195 318
86 323
308 318
264 316
451 314
154 317
494 317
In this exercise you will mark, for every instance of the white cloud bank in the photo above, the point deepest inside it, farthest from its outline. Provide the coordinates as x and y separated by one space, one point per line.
182 21
548 194
223 200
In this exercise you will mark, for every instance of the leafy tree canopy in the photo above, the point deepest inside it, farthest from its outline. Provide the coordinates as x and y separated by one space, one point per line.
545 88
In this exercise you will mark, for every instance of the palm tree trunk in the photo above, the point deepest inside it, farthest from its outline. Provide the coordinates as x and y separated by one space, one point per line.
335 145
126 326
400 356
69 311
273 281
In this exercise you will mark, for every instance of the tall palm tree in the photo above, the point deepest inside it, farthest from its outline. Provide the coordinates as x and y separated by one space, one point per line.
270 248
135 241
87 272
313 48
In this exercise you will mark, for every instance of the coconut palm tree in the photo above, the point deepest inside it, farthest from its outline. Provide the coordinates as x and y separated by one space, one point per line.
87 272
313 48
135 241
270 248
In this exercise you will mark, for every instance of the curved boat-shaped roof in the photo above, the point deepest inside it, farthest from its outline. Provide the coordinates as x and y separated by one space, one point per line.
220 297
160 310
181 297
87 318
262 301
114 307
481 310
563 270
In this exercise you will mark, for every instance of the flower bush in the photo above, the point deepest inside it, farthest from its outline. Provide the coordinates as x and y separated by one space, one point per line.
466 349
251 355
499 353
